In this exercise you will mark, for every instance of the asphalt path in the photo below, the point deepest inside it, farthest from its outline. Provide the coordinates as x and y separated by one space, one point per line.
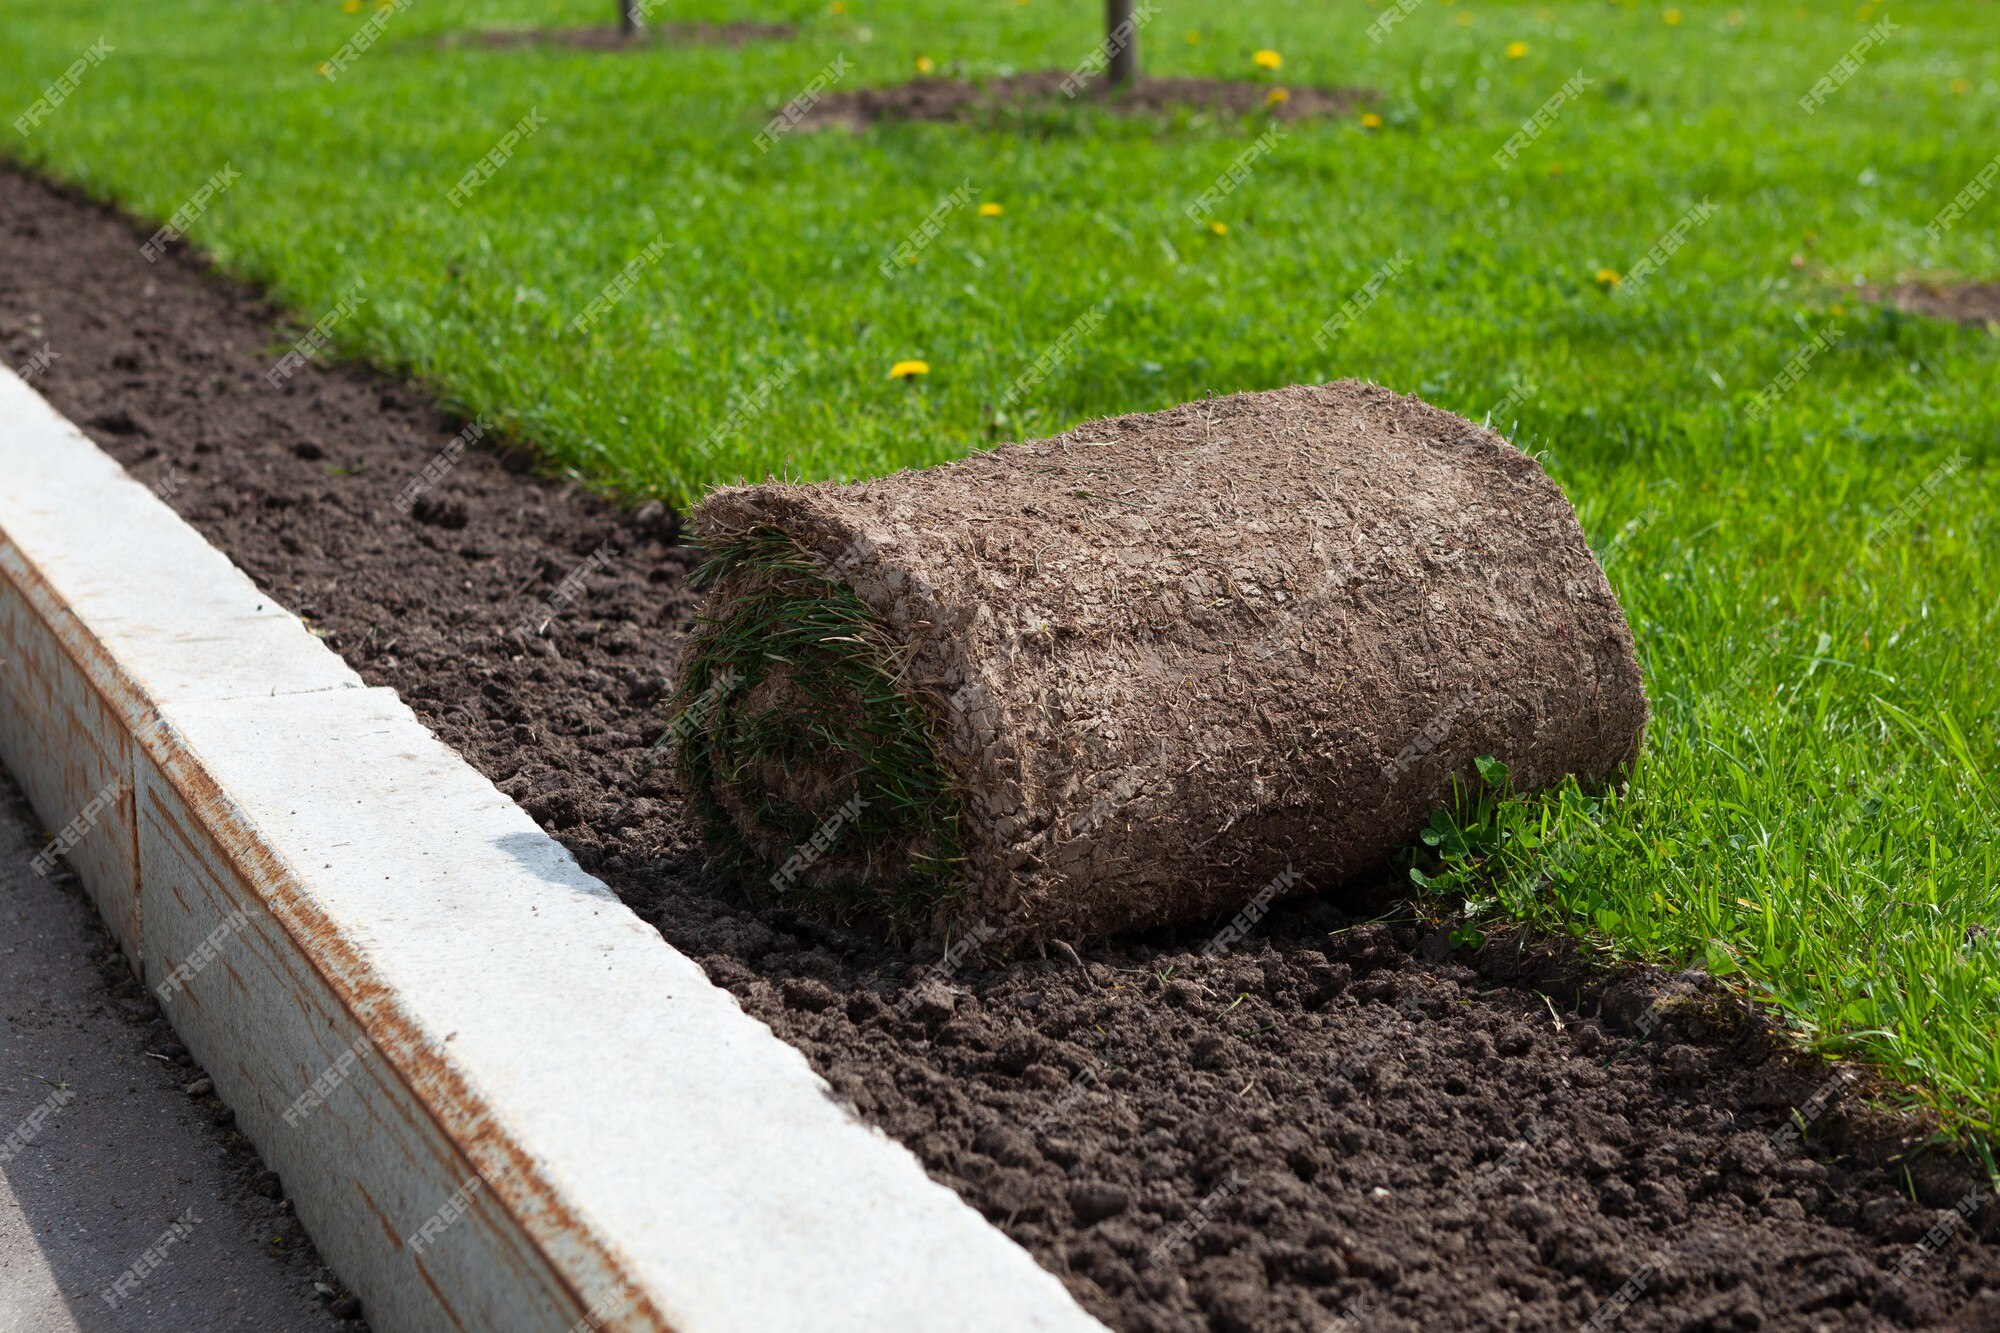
125 1202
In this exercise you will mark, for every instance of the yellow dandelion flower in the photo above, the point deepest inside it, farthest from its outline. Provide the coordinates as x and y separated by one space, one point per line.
1735 19
350 6
925 64
324 68
837 7
1515 50
1609 277
904 370
1194 39
1219 228
1277 96
1465 18
989 210
1267 60
1371 121
1555 168
1673 18
1961 85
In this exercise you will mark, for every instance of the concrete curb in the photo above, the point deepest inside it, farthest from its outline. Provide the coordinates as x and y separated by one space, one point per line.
497 1098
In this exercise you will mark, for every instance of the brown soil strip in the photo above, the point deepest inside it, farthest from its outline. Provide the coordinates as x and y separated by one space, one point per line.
609 38
1975 303
1042 91
1338 1116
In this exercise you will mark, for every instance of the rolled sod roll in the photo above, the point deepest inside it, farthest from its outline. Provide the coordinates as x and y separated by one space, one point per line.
1147 671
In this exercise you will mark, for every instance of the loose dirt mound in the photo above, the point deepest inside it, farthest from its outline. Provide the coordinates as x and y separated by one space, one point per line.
611 39
1147 668
1414 1141
1045 91
1976 303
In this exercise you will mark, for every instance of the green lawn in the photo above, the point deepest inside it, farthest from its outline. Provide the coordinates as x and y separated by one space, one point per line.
1815 810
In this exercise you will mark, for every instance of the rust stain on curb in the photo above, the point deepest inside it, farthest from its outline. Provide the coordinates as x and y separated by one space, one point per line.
460 1115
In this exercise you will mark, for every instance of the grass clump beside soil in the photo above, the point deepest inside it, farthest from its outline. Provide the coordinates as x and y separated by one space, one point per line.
1814 616
816 777
1643 876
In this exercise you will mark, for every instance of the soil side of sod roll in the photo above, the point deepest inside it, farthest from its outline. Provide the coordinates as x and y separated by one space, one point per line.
1133 675
1340 1117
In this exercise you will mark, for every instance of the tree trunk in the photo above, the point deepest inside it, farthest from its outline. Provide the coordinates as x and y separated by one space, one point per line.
1122 40
628 18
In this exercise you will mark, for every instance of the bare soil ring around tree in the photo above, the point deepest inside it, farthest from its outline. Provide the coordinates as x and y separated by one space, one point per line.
1043 92
1342 1116
610 38
1973 303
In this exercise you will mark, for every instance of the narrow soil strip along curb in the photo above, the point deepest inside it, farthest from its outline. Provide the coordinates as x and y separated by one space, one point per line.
499 1100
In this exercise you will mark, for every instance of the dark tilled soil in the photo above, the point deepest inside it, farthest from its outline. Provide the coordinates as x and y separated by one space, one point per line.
609 38
1042 91
1968 303
1339 1120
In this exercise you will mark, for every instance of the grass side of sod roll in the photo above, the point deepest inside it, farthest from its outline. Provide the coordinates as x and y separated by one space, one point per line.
841 730
1813 586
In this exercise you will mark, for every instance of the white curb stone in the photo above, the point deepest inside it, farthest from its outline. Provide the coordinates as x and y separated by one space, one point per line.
497 1098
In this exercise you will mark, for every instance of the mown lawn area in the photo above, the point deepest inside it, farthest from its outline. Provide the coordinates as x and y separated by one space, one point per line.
1814 589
